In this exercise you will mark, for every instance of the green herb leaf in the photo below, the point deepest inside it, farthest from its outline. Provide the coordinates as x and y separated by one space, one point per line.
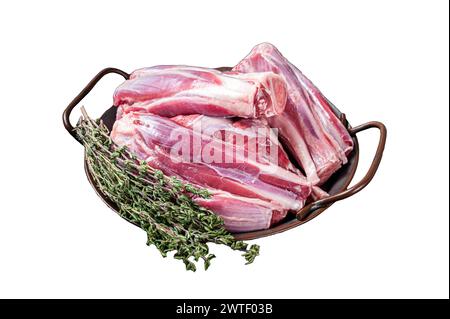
162 206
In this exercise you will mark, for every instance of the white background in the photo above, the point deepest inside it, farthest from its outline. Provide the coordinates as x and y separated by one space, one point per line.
378 60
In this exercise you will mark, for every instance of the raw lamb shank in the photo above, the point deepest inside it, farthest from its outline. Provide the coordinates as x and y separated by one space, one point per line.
176 150
308 126
171 90
219 131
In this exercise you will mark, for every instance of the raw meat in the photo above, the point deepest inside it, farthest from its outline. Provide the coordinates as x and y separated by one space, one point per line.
309 128
230 130
254 134
216 130
180 90
157 140
327 117
241 214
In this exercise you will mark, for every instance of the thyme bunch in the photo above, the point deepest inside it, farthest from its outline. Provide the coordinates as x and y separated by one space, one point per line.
160 205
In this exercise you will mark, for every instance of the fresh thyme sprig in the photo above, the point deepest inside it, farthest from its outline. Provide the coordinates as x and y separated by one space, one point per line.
160 205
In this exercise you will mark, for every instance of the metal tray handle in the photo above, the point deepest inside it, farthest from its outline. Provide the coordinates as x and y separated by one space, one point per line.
83 93
306 211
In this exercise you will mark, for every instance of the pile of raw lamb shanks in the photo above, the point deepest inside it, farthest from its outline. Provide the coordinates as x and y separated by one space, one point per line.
231 133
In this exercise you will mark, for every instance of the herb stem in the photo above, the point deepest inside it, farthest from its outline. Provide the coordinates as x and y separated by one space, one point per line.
160 205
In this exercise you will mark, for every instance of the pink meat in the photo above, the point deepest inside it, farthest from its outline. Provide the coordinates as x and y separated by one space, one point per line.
309 128
181 90
229 130
255 134
242 214
327 117
157 140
